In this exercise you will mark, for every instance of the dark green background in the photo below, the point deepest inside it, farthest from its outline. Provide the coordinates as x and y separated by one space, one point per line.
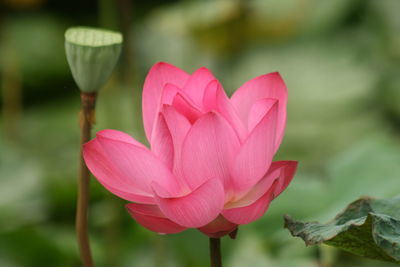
340 60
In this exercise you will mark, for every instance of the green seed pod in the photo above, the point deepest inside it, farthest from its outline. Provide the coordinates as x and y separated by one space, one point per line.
92 54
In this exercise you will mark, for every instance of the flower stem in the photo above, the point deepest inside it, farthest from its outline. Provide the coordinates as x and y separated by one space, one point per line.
215 252
88 101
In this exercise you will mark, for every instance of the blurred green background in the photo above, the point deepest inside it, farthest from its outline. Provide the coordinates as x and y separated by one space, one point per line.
340 60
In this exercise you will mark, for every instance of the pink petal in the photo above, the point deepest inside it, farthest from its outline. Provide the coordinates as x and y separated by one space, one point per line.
125 194
126 167
159 75
255 155
258 111
210 96
215 99
288 170
110 177
178 127
197 83
119 136
208 150
162 141
265 86
167 141
196 209
169 93
279 170
248 214
218 227
150 217
255 210
183 105
162 144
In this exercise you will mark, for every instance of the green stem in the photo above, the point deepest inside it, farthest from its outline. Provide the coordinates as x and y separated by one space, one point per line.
215 252
88 101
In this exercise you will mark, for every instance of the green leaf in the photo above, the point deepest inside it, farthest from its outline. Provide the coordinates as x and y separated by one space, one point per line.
367 227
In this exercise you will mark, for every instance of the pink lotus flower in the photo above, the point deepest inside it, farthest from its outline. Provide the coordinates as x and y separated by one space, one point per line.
210 163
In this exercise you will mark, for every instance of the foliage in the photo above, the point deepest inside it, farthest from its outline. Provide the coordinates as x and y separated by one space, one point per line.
367 227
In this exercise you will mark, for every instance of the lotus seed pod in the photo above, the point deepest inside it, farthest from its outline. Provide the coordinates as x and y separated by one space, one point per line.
92 55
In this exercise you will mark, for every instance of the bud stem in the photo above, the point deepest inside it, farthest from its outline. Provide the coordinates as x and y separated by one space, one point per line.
88 101
215 252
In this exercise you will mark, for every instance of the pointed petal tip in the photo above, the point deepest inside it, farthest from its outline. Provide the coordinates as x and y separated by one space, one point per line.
202 69
269 75
274 74
293 164
213 82
159 74
105 134
162 63
165 65
196 84
289 169
118 136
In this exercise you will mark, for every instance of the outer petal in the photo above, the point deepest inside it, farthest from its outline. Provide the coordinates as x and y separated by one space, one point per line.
126 193
255 156
254 211
150 217
196 209
288 170
279 170
265 86
108 175
126 167
159 75
216 99
249 213
197 83
218 227
120 136
209 150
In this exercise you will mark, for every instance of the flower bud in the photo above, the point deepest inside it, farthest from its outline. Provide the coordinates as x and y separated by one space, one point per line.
92 54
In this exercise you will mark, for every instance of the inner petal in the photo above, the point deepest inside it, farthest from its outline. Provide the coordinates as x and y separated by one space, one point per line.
185 107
